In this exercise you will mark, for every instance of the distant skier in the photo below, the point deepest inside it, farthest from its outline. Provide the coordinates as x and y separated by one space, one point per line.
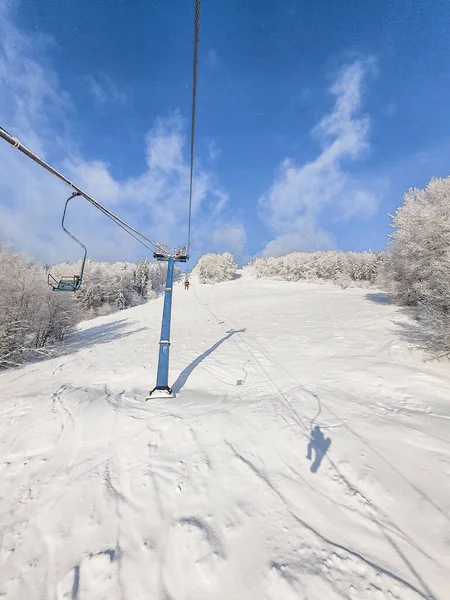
186 284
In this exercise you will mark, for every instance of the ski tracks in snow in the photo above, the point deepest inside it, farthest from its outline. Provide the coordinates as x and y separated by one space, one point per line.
292 394
205 496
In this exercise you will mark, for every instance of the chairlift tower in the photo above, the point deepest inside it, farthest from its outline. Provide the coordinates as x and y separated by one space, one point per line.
160 252
163 254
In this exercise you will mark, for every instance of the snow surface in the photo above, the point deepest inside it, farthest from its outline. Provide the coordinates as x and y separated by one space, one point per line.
210 495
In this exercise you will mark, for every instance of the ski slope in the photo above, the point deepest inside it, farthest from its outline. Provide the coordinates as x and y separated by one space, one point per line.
211 495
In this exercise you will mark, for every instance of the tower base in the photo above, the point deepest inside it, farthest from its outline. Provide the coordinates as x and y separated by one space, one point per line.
161 389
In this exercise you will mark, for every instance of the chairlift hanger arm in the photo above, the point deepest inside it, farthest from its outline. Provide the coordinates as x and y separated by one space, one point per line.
71 234
69 283
19 146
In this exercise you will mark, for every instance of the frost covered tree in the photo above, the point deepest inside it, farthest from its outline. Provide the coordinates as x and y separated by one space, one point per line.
32 317
141 277
215 268
341 268
417 266
108 287
157 275
419 247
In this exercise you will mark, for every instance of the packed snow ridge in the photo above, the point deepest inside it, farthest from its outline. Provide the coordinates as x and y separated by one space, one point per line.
306 454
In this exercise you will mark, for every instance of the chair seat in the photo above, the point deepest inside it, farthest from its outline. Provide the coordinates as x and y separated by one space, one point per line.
68 284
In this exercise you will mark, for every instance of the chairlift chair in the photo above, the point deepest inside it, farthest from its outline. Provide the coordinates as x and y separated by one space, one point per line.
181 253
65 284
70 283
162 252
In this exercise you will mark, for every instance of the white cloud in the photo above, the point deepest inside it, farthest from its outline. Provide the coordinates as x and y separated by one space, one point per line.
35 108
220 203
103 90
165 145
293 204
361 203
308 236
213 60
390 109
213 150
230 238
305 94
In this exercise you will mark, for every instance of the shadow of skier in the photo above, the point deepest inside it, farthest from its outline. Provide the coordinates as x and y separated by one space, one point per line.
320 445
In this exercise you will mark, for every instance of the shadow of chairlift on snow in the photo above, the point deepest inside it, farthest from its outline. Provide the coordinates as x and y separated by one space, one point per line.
82 339
184 375
319 444
98 334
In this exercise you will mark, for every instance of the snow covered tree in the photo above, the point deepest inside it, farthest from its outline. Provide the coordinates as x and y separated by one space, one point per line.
32 316
341 268
141 277
417 266
420 243
215 268
108 287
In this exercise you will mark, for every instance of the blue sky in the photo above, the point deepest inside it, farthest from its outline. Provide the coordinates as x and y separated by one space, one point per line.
313 119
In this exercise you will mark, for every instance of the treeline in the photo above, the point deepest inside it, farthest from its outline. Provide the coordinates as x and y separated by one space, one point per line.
341 268
414 269
34 318
108 287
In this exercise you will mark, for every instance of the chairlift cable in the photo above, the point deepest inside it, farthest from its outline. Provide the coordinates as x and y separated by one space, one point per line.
137 235
119 223
194 109
128 228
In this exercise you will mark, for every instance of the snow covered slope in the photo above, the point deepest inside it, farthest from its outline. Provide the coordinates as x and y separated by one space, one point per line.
211 495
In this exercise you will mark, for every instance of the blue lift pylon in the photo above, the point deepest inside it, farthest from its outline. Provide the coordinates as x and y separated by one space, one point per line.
163 254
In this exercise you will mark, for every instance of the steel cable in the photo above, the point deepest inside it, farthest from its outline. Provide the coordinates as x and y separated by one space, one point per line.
194 109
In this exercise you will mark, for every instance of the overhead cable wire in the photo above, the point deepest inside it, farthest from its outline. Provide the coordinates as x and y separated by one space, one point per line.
194 109
123 224
127 231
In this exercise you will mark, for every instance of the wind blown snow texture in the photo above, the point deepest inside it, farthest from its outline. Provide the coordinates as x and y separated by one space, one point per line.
211 495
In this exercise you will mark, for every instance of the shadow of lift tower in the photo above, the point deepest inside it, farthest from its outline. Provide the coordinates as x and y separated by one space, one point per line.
163 254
